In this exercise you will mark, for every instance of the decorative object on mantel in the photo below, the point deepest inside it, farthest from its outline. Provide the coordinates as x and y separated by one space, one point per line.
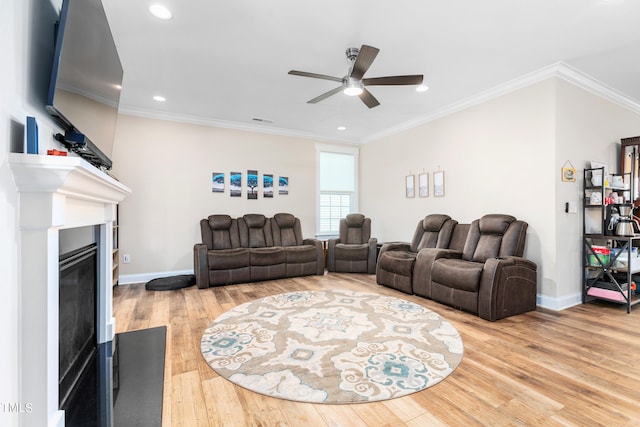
217 182
568 172
55 153
423 184
32 136
409 185
333 346
438 183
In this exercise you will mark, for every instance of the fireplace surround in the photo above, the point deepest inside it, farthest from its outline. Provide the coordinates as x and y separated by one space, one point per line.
57 193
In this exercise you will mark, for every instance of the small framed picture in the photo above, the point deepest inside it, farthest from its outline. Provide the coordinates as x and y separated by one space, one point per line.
423 185
409 182
568 174
438 184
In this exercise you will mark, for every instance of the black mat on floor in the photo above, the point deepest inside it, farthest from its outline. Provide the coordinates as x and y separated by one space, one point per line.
141 378
171 283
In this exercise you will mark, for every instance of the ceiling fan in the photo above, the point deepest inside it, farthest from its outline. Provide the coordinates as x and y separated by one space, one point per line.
353 83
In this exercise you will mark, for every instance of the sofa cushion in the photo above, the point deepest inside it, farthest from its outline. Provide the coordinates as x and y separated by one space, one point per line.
267 256
351 252
398 262
300 254
457 273
221 259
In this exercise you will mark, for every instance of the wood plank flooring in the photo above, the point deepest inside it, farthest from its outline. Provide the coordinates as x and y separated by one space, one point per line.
577 367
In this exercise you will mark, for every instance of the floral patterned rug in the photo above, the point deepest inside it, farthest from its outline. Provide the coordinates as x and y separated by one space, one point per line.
332 346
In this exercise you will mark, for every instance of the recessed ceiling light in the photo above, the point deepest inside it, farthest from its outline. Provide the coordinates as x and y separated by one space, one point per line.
342 128
160 11
422 88
159 98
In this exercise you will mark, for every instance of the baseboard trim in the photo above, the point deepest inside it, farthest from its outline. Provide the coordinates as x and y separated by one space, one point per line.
560 303
129 279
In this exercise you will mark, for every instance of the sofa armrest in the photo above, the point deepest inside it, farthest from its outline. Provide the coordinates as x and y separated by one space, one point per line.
508 286
201 265
373 255
331 253
394 246
421 279
319 253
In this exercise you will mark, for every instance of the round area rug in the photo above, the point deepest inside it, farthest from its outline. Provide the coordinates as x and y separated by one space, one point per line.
332 346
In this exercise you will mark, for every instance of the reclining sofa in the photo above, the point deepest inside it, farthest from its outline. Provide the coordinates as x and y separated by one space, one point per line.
254 248
480 270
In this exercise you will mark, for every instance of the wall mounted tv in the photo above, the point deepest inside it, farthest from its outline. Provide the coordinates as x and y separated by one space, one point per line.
86 79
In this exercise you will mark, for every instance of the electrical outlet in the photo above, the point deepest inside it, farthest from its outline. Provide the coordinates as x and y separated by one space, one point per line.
126 258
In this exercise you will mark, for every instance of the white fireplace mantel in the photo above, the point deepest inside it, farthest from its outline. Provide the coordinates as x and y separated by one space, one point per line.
57 192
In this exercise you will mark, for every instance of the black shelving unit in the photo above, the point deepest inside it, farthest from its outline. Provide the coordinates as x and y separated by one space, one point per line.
607 277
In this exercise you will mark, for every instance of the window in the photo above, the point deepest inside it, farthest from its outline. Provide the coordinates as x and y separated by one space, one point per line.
337 197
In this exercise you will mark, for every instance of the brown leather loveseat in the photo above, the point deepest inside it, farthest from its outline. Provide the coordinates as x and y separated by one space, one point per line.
254 248
486 275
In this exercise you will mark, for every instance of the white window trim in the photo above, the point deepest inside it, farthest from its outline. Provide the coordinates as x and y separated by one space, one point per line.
342 149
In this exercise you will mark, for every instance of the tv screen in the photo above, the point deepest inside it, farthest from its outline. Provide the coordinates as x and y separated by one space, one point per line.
86 79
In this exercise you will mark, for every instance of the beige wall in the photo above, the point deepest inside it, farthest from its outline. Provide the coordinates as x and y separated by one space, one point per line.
505 156
84 111
588 128
168 166
497 158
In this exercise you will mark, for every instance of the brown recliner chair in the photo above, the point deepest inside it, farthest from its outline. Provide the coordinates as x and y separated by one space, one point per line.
354 251
489 278
396 260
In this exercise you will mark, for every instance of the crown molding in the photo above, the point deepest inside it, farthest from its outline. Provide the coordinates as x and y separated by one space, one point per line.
205 121
558 70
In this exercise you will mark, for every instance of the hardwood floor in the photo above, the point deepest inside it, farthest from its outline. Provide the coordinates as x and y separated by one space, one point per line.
577 367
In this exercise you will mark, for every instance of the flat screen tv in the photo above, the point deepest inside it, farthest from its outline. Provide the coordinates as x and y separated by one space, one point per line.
86 79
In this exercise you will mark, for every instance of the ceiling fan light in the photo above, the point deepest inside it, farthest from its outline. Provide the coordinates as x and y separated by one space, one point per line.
352 91
352 87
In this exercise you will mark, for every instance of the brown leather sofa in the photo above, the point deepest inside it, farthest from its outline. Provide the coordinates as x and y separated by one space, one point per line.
481 270
254 248
354 251
396 260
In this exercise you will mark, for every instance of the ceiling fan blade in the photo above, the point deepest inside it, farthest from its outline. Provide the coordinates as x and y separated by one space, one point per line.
325 95
365 58
315 76
369 100
394 80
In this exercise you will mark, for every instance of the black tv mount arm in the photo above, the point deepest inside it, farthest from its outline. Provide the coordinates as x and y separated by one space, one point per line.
81 145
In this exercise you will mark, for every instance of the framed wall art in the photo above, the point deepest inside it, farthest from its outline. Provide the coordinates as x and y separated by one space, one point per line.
283 185
423 184
235 184
217 182
438 184
267 186
409 186
252 184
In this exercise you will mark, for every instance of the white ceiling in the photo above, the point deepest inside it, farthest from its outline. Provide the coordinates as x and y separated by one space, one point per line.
226 62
